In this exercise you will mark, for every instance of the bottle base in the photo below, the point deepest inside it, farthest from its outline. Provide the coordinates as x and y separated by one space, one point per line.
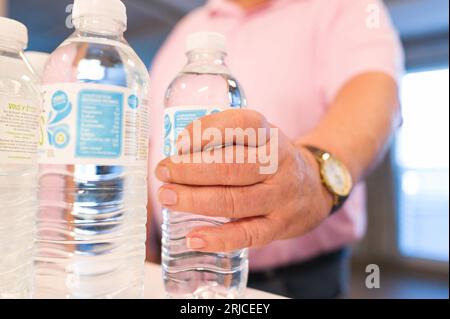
212 291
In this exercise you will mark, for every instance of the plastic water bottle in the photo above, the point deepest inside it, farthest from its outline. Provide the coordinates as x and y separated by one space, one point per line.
19 118
204 86
93 161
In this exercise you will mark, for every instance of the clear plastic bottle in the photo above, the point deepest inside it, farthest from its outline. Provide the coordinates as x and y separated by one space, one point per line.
93 161
19 118
204 86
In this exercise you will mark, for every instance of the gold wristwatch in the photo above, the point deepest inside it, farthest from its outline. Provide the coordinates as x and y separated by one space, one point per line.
335 176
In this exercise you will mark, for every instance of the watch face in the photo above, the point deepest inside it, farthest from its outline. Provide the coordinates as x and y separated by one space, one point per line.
337 177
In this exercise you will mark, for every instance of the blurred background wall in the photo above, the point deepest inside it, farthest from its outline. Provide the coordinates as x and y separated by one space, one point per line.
408 235
423 24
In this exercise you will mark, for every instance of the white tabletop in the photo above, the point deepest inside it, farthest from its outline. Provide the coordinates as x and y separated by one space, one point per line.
154 287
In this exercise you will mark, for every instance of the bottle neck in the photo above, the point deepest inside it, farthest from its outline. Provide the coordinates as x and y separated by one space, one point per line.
206 56
206 61
100 27
10 46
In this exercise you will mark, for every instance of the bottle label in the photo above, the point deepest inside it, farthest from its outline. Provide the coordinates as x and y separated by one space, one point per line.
85 123
19 122
177 118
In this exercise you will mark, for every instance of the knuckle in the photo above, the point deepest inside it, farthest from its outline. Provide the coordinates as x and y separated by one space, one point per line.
260 120
239 118
266 196
259 237
257 119
230 202
227 246
224 245
247 237
191 203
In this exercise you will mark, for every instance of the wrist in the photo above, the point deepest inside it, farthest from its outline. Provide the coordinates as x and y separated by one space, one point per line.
338 150
323 200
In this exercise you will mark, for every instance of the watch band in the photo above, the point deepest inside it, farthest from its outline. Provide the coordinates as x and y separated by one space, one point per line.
338 200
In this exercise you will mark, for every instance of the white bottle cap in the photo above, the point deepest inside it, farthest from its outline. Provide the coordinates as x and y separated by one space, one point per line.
12 30
114 9
206 40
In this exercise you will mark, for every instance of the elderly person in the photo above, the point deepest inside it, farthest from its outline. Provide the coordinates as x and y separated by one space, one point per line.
325 73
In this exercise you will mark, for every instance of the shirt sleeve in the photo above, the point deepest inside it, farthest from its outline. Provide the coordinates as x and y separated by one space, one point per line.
358 37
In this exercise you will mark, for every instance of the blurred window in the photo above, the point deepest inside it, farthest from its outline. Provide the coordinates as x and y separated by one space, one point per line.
422 166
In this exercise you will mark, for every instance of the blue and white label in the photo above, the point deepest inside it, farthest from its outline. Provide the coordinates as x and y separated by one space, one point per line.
133 101
177 118
93 124
58 132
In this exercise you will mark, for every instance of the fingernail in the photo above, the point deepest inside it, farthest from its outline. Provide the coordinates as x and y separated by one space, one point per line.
195 243
163 173
168 197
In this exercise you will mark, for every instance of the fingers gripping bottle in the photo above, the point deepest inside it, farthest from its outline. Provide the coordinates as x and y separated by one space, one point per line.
204 86
93 161
19 115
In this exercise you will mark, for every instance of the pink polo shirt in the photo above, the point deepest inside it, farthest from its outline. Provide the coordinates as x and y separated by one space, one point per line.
291 57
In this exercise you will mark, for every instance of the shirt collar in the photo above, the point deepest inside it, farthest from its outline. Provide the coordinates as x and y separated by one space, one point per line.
224 7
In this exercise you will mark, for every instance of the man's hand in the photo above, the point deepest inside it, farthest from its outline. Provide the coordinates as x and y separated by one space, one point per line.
285 204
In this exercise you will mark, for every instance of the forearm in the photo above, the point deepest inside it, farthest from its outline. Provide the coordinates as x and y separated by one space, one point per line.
359 123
